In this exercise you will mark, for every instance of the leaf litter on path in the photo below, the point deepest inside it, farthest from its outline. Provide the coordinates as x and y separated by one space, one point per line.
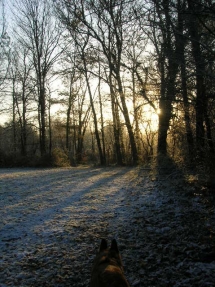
52 221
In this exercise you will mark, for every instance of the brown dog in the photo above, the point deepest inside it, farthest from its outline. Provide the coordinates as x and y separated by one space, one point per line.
107 268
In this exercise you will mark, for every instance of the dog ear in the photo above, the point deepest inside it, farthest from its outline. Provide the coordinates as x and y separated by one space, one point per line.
103 245
114 246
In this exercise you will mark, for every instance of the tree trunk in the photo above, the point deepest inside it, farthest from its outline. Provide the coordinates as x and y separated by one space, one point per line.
68 115
165 107
200 83
181 45
42 104
101 113
24 127
14 118
168 54
50 128
101 156
189 133
208 132
116 123
127 121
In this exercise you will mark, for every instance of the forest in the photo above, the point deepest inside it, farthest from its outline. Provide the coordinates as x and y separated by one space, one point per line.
107 130
107 82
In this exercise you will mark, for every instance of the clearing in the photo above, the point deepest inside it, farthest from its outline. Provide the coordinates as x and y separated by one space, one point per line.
52 221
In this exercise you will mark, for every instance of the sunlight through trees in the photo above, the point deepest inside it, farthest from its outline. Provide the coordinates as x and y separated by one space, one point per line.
109 82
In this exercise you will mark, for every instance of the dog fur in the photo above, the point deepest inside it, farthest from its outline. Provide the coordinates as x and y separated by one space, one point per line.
107 269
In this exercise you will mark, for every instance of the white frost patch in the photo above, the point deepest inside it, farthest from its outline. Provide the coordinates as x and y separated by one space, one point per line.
52 221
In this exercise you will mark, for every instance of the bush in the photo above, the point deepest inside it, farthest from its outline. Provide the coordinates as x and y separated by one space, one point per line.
60 158
12 159
41 161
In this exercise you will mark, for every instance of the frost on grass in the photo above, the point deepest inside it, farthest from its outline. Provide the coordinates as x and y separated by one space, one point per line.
52 221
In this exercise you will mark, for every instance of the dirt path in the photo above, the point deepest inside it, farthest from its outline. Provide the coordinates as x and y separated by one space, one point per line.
52 221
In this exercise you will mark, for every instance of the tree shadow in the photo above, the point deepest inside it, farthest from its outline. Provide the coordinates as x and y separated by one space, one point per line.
164 167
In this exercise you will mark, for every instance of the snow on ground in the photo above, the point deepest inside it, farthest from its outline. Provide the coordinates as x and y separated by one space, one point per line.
52 221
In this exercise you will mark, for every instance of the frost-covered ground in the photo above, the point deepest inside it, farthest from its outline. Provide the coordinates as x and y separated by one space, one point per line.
52 220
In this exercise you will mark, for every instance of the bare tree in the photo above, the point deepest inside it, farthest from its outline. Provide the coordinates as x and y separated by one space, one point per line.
22 94
200 33
105 22
5 42
38 31
182 42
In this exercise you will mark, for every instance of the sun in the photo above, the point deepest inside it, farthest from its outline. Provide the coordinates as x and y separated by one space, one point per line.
150 119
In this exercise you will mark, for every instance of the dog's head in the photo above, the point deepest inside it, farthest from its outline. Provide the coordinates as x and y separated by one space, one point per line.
107 268
110 255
